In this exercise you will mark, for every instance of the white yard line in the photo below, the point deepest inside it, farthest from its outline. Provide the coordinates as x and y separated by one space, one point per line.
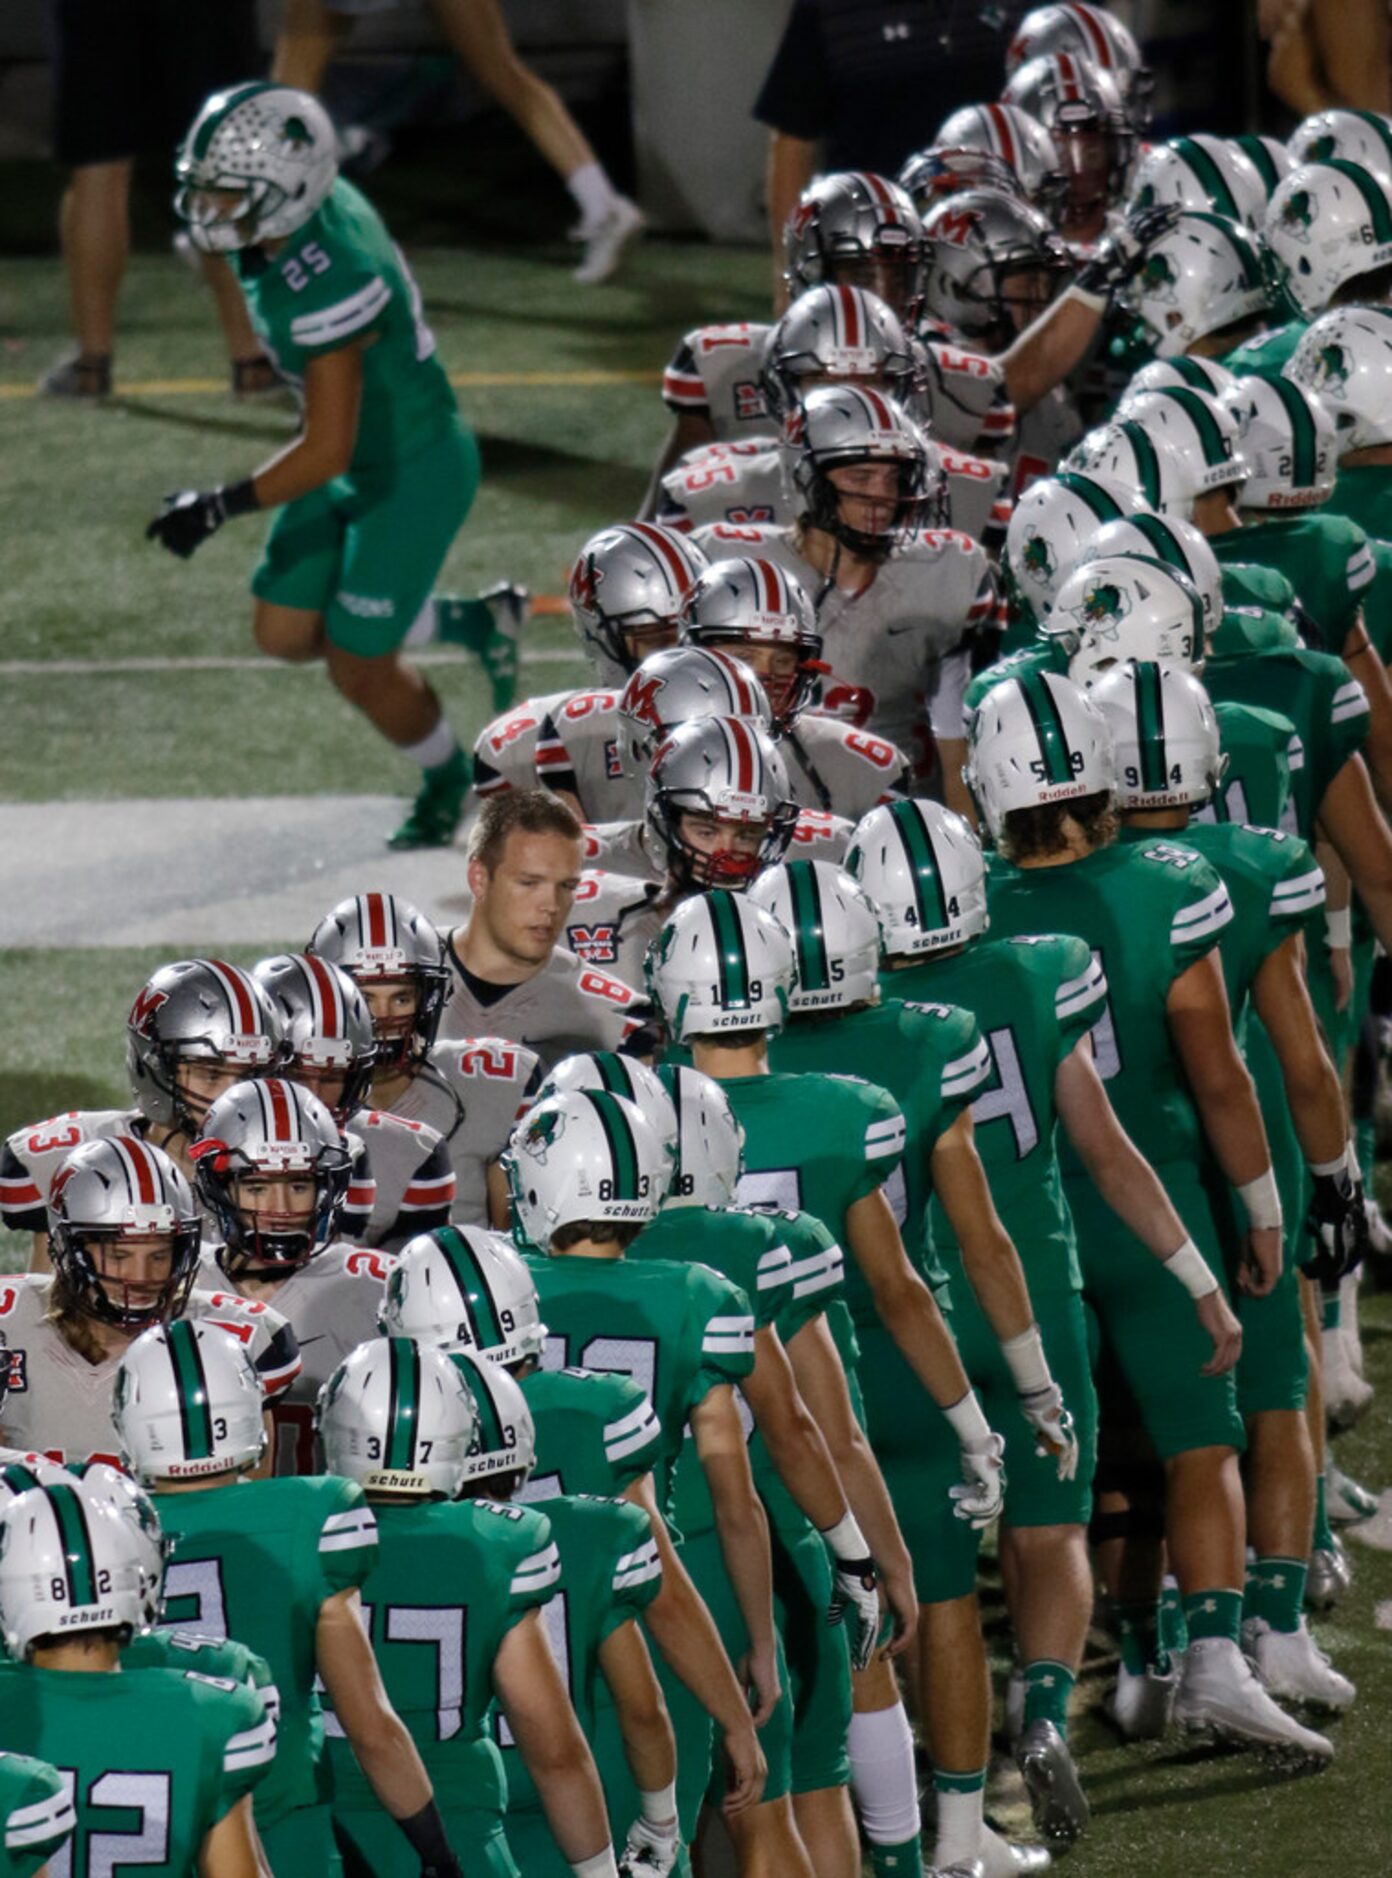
243 662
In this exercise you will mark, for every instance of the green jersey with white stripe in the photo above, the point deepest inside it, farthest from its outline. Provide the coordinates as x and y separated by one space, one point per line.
452 1578
933 1061
594 1433
1266 354
610 1573
1147 913
1034 999
341 280
1327 560
1040 655
1363 494
256 1560
1248 584
36 1814
152 1759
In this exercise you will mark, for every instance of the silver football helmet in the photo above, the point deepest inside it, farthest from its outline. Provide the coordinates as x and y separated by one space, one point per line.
834 333
729 773
1036 739
379 938
463 1288
685 685
505 1441
1082 109
1202 172
721 964
69 1563
1329 226
627 586
992 264
924 872
1164 736
838 427
258 1131
1015 139
329 1039
1345 358
710 1141
739 604
1361 136
270 147
583 1155
113 1191
930 176
1203 276
196 1011
399 1418
187 1403
859 230
1092 33
1289 444
834 930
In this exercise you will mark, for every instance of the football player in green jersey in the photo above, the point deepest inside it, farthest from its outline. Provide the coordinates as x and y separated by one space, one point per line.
162 1762
587 1172
373 490
456 1599
721 972
1165 739
1042 771
36 1815
276 1564
1342 357
1036 999
596 1432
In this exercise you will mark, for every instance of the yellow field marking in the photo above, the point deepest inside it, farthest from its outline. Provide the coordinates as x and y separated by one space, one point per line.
462 381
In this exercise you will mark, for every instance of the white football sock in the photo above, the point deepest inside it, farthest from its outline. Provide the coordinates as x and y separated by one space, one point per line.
882 1775
593 191
961 1820
424 629
435 748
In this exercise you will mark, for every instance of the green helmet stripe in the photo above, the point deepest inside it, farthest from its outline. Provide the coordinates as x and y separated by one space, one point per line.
1379 127
71 1516
404 1414
1150 727
1366 186
623 1150
1304 440
1103 505
18 1478
1048 727
923 868
1192 372
215 119
814 968
1211 178
490 1428
1163 541
1147 459
614 1074
460 1257
732 962
195 1416
1205 423
1264 161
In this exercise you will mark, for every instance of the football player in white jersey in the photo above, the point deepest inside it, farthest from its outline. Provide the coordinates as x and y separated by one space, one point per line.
195 1027
125 1232
272 1169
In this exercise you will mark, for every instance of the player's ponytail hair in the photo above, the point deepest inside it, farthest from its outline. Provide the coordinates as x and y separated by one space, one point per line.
72 1323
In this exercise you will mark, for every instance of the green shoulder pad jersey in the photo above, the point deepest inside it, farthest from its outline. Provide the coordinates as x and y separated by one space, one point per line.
1040 655
1265 354
1327 559
595 1432
209 1656
610 1573
36 1814
817 1144
1248 583
255 1561
678 1330
933 1061
336 279
452 1578
155 1757
1148 912
1034 998
1363 494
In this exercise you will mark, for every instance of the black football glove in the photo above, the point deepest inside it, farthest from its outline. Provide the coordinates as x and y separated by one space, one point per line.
190 517
1338 1228
1122 255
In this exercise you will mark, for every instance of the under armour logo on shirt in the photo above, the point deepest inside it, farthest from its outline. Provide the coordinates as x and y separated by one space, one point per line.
895 29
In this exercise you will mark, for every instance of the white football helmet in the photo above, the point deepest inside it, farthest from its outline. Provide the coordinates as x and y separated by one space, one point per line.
1359 136
720 964
627 586
272 147
1289 443
186 1403
265 1128
1200 277
1345 358
924 872
1204 432
505 1439
69 1563
710 1141
1201 172
1048 526
1035 739
1150 466
730 771
683 685
102 1481
398 1417
834 930
1164 538
1269 156
583 1155
463 1288
19 1471
1200 374
1164 736
1328 224
1129 606
620 1075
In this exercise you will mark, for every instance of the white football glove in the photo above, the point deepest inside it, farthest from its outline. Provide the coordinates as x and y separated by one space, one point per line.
980 1498
856 1598
1053 1428
649 1849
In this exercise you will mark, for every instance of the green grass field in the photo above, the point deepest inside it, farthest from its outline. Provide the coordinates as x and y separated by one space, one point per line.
82 588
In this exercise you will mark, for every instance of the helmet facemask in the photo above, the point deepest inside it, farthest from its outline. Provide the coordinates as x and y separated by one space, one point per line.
697 868
403 1038
89 1264
271 1241
911 503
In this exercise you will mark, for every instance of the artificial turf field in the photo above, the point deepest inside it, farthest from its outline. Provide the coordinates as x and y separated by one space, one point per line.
560 383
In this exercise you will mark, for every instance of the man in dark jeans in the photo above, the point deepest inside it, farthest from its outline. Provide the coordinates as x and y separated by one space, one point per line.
129 76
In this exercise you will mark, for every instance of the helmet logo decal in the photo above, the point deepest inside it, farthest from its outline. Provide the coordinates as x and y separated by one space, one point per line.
1159 279
640 698
1298 215
584 583
1103 608
1332 366
1039 558
956 226
142 1013
542 1133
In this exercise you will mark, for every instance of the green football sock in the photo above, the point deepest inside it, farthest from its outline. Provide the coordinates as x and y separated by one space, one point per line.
1138 1628
897 1861
1323 1538
463 622
1331 1309
1276 1591
1213 1614
1048 1686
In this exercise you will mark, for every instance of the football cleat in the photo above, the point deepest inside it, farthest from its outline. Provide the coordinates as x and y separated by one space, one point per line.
974 1870
1329 1577
605 240
1060 1807
438 807
1345 1502
1219 1695
1002 1858
511 608
1346 1394
1349 1286
78 377
1141 1708
1291 1665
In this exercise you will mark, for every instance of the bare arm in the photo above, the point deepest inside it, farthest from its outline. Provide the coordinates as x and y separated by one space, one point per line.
989 1258
690 429
1338 900
231 1849
649 1746
536 1702
1350 819
742 1528
794 1440
1282 1001
39 1261
903 1302
324 447
791 161
1047 351
385 1751
499 1206
1361 657
952 752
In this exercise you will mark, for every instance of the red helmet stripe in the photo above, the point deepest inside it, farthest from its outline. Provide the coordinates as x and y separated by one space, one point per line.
332 1021
850 315
769 581
879 189
743 746
1068 74
1000 125
1094 33
282 1117
140 1171
240 1000
664 550
376 912
879 410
